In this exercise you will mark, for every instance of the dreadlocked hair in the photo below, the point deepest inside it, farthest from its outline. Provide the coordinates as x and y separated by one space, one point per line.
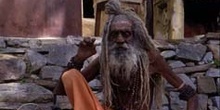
143 40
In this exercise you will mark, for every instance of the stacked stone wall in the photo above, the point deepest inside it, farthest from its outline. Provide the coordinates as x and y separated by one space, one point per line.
31 67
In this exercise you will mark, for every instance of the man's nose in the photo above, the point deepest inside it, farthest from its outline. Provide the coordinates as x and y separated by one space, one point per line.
120 39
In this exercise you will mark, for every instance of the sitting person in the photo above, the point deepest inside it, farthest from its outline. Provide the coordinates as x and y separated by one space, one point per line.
127 63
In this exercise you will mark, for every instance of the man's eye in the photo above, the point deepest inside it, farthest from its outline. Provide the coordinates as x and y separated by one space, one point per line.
126 33
114 34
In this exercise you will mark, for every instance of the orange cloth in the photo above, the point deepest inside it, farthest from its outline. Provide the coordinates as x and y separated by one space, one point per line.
79 93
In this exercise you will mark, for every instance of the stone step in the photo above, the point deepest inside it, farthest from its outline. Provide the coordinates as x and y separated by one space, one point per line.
24 93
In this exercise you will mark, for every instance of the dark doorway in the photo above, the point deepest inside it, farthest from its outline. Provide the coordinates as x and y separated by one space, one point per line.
88 10
201 16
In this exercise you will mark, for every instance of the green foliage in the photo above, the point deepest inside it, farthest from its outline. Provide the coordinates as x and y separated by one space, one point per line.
217 63
22 81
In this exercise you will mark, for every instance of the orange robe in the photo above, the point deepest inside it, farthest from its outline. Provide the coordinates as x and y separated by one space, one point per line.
79 93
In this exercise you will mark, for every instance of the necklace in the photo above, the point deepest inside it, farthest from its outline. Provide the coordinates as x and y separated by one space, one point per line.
127 98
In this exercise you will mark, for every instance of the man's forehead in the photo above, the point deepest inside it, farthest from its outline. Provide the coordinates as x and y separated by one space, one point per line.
121 22
121 18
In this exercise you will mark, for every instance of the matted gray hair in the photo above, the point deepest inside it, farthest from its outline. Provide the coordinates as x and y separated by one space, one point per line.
144 42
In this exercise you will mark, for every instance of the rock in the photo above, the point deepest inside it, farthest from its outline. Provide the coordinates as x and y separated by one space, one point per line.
46 83
34 76
12 50
35 106
210 103
183 105
2 43
176 64
193 80
168 54
213 72
176 103
203 101
63 102
11 67
73 40
215 42
208 57
165 108
193 52
100 96
29 106
9 105
18 42
51 72
34 43
216 51
95 84
53 41
201 63
216 101
46 106
212 108
34 60
213 35
187 80
206 85
190 64
193 69
27 42
24 93
198 74
61 54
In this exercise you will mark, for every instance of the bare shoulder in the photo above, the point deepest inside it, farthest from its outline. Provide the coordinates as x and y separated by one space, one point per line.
153 55
158 62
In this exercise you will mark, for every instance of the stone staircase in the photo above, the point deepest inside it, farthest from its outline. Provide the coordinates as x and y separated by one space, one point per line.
30 68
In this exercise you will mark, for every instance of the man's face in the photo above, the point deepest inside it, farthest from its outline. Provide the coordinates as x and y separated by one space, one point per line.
122 53
120 34
121 31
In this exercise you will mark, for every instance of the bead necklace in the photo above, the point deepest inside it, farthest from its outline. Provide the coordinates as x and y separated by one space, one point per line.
121 95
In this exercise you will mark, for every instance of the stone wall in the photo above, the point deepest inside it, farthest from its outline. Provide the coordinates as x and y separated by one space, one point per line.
30 68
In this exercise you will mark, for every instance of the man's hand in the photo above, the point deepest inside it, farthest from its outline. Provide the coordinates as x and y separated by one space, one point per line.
86 49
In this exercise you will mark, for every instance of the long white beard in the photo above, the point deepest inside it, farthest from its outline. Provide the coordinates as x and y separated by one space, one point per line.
123 63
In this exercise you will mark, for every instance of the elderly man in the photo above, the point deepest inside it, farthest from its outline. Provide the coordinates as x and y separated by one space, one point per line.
127 63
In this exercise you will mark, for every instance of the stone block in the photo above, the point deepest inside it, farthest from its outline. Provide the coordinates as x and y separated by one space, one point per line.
11 67
206 85
193 52
51 72
24 93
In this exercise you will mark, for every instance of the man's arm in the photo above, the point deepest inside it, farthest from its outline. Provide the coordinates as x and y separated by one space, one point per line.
92 70
86 50
186 92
